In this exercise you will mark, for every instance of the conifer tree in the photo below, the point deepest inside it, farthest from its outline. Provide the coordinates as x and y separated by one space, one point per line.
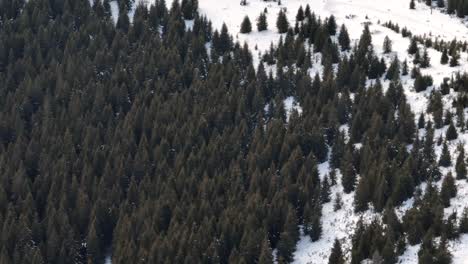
266 255
246 26
421 121
288 238
387 45
425 61
338 203
343 38
454 60
413 47
300 14
282 23
262 24
404 70
463 225
445 159
460 165
451 132
331 25
336 256
448 190
412 4
348 172
444 59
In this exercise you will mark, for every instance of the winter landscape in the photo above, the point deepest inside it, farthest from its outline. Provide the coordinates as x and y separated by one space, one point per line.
219 131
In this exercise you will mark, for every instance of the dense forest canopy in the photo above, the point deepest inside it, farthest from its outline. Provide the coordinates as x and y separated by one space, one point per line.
150 141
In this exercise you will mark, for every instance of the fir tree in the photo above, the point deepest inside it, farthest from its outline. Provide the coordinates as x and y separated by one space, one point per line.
387 45
413 47
425 61
282 23
460 165
451 132
444 59
343 38
331 25
262 24
454 60
246 26
300 14
412 4
266 255
448 190
463 225
336 256
349 173
288 238
445 159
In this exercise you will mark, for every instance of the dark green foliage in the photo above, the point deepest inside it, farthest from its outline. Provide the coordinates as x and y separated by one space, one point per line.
448 190
331 25
343 38
413 48
348 171
422 82
246 26
454 60
444 59
266 255
300 14
189 9
387 45
451 132
445 159
262 24
463 226
336 256
460 165
282 23
425 60
393 71
288 238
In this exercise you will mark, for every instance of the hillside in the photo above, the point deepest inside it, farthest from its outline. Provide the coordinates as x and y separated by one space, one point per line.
154 131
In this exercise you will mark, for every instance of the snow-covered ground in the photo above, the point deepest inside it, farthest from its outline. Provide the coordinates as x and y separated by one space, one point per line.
354 14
